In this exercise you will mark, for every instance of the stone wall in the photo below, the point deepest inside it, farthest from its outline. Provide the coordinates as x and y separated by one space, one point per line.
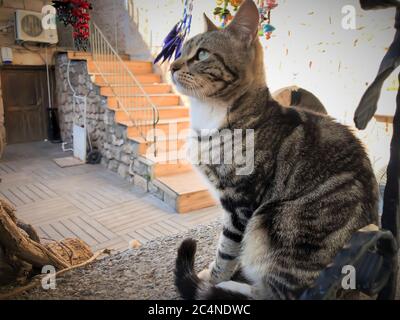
121 154
83 87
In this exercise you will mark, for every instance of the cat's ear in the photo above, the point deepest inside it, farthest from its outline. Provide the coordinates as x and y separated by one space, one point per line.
245 24
209 25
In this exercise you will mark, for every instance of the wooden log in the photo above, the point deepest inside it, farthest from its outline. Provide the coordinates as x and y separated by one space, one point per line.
2 140
9 209
24 248
30 231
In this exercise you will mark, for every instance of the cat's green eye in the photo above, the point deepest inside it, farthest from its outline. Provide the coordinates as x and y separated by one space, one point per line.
202 55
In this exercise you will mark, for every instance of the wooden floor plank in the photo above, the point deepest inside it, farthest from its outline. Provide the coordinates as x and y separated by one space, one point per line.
79 232
63 230
10 196
113 244
52 233
137 225
89 229
33 196
167 227
174 224
33 192
144 234
111 212
162 230
137 235
18 193
78 204
45 189
41 233
90 201
82 201
148 220
100 199
120 219
128 212
99 227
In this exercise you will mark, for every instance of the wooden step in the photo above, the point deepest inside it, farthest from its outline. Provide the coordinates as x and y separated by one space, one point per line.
165 164
162 146
160 88
141 101
80 55
189 190
137 67
166 129
165 112
167 169
114 79
77 55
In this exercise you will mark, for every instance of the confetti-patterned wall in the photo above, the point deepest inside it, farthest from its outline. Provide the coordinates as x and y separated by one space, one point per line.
311 49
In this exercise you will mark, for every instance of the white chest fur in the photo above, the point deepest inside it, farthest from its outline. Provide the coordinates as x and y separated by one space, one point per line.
205 116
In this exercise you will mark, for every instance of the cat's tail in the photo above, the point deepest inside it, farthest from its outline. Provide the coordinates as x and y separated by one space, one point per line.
190 286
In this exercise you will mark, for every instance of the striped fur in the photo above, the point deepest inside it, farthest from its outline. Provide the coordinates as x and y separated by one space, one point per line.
312 185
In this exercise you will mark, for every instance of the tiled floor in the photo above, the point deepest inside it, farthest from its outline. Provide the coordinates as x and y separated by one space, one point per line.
88 202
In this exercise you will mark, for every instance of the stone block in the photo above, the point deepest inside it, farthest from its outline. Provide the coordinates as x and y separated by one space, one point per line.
140 168
123 170
154 190
113 165
126 159
170 200
140 182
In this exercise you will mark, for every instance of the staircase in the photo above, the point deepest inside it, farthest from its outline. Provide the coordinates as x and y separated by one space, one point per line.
132 103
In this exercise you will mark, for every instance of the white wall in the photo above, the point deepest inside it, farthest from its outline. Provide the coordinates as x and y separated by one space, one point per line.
343 61
114 20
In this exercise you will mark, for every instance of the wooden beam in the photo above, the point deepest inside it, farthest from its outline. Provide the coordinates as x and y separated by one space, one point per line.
384 118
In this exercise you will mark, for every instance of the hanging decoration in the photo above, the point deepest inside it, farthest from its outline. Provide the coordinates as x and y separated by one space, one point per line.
76 14
172 46
224 12
265 7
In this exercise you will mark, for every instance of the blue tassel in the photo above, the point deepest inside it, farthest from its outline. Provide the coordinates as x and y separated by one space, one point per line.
173 42
268 28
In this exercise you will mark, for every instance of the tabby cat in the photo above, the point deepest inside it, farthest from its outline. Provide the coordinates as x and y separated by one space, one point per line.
312 185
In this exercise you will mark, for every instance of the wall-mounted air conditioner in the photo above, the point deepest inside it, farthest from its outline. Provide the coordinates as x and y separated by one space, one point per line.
28 27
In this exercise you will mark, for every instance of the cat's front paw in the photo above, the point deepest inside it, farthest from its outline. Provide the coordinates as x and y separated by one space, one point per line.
206 274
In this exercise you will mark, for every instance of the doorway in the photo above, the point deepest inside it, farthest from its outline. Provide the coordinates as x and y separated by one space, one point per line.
26 102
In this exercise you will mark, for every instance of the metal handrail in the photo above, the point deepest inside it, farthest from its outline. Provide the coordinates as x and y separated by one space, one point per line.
113 69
